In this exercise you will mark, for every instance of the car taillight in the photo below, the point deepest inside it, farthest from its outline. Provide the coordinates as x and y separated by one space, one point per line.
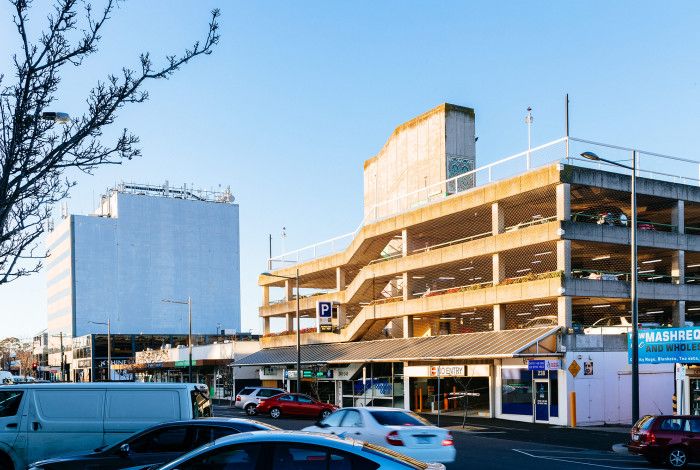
448 441
394 439
651 438
238 398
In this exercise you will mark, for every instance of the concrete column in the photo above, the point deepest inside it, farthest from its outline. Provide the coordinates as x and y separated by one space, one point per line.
564 256
405 243
498 221
678 267
679 314
266 325
564 309
407 287
289 321
408 326
563 202
266 296
678 216
498 268
342 315
288 290
499 317
339 279
406 389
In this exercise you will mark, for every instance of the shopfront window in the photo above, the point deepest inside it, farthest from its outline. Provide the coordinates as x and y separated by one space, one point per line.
516 391
695 397
553 393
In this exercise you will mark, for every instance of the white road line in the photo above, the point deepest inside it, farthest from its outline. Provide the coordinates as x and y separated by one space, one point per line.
557 459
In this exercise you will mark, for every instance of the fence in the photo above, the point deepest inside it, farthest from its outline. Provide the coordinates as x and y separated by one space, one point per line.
564 150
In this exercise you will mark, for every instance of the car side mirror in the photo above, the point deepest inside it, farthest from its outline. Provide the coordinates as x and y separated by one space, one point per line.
124 450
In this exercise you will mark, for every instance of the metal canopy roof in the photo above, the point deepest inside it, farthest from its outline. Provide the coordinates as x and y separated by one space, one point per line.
483 345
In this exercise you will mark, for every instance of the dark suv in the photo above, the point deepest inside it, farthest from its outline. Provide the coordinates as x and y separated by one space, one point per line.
674 440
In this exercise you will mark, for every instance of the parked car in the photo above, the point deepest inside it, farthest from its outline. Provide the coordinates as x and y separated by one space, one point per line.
401 430
158 444
284 450
248 398
538 322
5 377
615 325
40 421
294 404
672 440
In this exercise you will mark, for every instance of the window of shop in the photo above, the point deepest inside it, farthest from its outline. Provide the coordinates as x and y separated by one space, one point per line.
553 393
695 397
516 391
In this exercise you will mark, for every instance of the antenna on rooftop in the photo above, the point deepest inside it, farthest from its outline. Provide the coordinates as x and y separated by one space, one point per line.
284 238
528 121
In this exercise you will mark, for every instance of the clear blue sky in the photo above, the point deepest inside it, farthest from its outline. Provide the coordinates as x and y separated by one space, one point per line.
299 94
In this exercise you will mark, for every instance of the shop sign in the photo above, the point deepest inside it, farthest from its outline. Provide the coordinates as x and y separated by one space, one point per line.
324 316
184 363
666 345
447 371
542 364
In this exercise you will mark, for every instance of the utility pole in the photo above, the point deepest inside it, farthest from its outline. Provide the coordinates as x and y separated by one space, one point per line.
189 340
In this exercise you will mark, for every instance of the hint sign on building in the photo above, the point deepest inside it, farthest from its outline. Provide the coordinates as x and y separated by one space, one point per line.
324 316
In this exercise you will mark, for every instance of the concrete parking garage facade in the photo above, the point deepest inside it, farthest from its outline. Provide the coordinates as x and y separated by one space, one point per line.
514 287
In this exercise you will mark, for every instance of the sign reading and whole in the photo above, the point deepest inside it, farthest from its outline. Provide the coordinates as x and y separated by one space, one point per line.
666 345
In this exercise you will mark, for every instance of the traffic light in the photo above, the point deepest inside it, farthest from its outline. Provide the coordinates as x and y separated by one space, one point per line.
35 366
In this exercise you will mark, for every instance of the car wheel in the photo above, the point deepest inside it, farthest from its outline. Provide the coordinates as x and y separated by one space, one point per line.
677 458
6 462
250 409
325 414
275 413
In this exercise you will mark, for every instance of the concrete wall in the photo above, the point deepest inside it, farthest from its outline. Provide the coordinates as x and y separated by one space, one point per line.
421 152
157 248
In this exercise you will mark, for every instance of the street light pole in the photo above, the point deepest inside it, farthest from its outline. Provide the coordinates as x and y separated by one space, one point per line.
633 294
298 338
187 302
633 275
108 323
189 337
296 278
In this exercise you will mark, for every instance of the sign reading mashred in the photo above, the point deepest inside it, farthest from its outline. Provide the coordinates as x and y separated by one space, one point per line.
447 371
667 345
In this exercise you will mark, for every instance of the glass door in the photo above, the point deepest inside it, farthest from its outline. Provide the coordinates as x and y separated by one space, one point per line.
542 400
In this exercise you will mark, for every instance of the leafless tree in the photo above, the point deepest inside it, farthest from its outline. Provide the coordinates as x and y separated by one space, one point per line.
36 151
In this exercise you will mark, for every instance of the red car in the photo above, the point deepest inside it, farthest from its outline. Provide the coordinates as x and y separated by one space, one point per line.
674 440
294 404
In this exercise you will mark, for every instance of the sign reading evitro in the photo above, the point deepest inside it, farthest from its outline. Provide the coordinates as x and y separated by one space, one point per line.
324 316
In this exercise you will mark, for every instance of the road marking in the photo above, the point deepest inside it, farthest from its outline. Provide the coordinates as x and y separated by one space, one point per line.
590 464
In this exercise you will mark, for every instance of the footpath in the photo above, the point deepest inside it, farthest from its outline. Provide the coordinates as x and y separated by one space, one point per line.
598 437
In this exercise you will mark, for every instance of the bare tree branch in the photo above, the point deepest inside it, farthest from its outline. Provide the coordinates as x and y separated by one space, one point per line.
34 153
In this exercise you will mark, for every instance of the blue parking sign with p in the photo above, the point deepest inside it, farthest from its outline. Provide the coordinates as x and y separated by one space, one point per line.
324 316
325 309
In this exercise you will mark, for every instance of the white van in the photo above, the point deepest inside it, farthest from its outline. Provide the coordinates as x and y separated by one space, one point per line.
39 421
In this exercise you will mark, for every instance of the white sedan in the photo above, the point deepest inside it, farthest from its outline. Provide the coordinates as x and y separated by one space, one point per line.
397 429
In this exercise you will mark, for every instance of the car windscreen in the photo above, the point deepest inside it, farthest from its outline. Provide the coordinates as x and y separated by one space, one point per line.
645 422
398 418
201 404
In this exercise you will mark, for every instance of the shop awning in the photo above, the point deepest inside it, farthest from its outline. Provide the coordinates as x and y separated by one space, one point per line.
483 345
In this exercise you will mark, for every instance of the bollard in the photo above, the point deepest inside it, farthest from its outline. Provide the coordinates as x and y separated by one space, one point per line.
572 409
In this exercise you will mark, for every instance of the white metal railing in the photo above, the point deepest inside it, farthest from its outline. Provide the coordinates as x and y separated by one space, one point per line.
564 150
